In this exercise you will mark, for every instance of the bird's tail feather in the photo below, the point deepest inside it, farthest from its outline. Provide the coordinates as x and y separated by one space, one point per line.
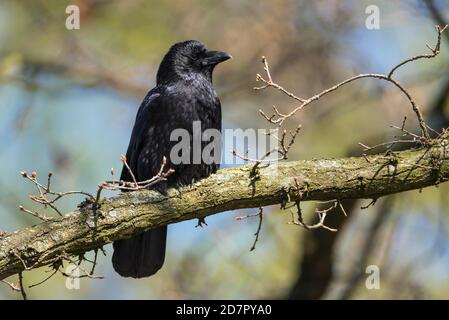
140 256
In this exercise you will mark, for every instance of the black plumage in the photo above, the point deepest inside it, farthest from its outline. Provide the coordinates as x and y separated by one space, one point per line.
183 94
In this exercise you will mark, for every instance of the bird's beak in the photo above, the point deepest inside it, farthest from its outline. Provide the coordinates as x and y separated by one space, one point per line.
215 57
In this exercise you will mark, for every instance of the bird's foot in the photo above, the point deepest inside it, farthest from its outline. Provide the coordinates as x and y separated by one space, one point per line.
201 221
191 185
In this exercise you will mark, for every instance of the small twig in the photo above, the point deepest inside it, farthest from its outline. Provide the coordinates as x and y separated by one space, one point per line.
372 203
269 82
97 198
35 214
406 132
278 118
282 150
94 262
46 279
389 144
86 273
342 209
403 123
44 191
49 181
435 51
22 289
123 158
113 175
263 159
162 175
321 215
366 158
13 286
25 267
259 227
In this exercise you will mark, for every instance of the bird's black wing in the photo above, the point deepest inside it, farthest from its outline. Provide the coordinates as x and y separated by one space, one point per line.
144 254
143 127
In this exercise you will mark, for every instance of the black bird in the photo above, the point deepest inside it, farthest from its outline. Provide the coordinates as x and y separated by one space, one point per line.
183 94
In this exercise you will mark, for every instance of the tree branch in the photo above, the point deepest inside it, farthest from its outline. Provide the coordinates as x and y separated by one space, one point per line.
130 213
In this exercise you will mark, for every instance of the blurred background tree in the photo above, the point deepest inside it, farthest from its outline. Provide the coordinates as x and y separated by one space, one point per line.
68 99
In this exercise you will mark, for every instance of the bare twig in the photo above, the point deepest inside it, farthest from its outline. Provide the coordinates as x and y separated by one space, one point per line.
123 158
44 191
35 214
269 82
371 203
282 150
436 14
113 184
342 209
45 279
300 191
22 289
13 286
388 144
259 227
435 51
278 118
94 262
321 215
86 273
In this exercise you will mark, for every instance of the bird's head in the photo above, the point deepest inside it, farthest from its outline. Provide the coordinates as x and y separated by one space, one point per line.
189 58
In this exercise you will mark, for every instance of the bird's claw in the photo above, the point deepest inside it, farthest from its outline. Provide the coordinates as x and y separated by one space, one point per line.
191 185
201 221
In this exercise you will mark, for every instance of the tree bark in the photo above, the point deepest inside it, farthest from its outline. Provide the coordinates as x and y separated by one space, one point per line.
131 213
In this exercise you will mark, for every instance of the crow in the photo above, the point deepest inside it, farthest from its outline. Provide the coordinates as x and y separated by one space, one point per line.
183 94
